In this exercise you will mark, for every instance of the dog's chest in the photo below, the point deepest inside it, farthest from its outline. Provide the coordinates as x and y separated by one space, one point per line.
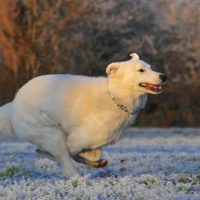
108 131
113 137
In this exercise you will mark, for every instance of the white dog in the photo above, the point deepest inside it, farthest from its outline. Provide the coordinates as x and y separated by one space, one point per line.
69 116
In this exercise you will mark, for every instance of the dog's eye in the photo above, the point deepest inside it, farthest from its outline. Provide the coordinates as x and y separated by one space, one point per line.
141 70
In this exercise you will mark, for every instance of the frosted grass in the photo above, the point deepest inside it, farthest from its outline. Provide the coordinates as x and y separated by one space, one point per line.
146 164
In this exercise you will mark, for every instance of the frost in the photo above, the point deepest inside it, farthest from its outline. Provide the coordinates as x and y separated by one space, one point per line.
146 164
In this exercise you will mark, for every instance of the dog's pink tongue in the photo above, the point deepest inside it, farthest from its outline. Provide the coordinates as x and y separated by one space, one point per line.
153 87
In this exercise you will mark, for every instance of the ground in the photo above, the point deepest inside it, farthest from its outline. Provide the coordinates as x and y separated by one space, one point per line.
146 164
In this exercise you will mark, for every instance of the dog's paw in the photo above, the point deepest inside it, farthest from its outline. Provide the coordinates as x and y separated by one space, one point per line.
101 163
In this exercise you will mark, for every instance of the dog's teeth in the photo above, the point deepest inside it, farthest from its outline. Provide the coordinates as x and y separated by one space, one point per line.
143 84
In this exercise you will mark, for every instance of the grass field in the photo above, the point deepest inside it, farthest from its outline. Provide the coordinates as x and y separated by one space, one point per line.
157 164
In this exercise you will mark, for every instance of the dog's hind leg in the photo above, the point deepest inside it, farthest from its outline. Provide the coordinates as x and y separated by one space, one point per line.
53 143
45 154
92 158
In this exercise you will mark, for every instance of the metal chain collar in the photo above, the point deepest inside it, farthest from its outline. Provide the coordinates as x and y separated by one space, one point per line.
123 107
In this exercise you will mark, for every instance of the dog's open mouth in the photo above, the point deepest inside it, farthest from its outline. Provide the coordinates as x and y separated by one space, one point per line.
152 87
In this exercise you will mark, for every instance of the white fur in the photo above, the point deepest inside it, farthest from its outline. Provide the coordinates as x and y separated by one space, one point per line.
66 114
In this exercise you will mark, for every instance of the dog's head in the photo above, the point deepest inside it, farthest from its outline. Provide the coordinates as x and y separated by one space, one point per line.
137 75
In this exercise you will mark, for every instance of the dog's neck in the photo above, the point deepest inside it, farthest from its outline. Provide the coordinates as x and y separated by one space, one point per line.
122 106
123 97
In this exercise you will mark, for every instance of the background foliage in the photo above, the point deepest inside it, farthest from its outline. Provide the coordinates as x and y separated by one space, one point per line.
83 37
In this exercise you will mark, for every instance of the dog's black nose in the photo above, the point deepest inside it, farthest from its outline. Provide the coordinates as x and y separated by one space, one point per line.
163 77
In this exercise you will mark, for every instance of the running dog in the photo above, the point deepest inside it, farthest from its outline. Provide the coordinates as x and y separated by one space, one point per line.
71 116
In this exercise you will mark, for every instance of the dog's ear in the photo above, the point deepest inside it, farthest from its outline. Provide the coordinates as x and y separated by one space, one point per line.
134 56
112 68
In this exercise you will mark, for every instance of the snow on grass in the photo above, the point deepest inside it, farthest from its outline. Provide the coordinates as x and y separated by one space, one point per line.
146 164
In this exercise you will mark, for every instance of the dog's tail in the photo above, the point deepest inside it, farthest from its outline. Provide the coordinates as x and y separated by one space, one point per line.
6 133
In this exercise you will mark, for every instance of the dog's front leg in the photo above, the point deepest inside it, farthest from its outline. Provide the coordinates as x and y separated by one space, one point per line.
92 155
92 158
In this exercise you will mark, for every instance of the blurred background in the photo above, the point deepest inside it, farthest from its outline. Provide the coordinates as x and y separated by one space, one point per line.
83 36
